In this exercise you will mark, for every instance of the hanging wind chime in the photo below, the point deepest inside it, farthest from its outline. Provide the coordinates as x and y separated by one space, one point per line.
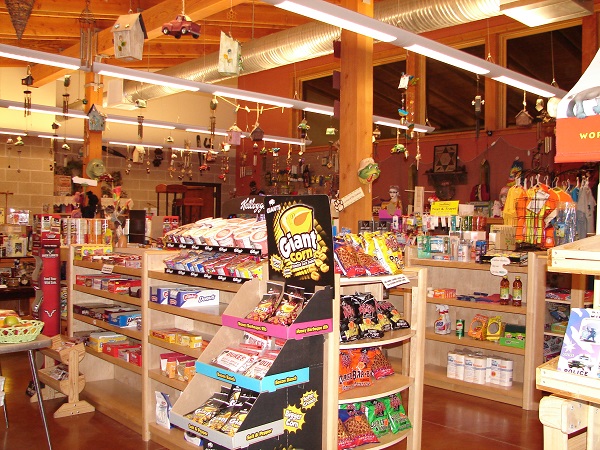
87 37
478 103
27 81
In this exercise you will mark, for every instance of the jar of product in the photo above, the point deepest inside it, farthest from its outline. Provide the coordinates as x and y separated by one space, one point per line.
517 294
504 290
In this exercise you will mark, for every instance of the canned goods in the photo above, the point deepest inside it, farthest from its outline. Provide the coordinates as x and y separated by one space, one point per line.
460 328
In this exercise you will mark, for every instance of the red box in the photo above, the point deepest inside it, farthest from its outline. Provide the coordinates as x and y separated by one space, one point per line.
120 286
112 348
135 357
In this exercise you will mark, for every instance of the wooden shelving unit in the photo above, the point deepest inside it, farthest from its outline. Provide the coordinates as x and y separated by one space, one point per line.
468 278
404 349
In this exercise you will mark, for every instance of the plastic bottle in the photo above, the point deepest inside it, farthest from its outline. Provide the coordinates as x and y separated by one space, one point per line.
504 290
517 294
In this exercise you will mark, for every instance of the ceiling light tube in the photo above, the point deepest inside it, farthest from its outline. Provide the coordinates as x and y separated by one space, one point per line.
448 59
34 56
195 150
253 97
67 138
205 131
524 86
145 77
325 12
146 123
325 111
397 124
282 140
131 144
12 132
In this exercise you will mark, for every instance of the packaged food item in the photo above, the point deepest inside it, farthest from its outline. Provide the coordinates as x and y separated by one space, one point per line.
387 313
287 310
163 409
262 365
347 262
346 377
380 365
478 327
265 308
349 321
377 417
361 367
369 326
344 439
399 421
237 359
357 425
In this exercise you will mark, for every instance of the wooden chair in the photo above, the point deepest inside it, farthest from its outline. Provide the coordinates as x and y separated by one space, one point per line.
178 191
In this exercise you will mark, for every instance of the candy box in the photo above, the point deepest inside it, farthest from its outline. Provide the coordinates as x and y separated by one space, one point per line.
112 348
160 295
124 319
194 297
98 339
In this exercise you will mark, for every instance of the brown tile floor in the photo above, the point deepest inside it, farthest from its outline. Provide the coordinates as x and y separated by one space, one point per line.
450 422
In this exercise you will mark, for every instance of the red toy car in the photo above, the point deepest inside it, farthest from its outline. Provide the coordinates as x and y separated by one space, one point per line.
181 25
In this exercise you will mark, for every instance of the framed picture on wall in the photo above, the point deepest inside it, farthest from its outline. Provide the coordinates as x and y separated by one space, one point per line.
445 158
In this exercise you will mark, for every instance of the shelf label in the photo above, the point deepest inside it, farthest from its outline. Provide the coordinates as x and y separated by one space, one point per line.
348 199
396 280
497 268
442 209
107 268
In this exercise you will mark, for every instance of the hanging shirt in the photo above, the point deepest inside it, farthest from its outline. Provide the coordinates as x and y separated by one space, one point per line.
509 213
586 204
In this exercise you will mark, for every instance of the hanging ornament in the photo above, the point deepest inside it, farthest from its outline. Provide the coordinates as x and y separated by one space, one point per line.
88 41
19 12
172 163
303 128
129 160
19 144
368 171
234 135
418 155
140 127
27 81
9 144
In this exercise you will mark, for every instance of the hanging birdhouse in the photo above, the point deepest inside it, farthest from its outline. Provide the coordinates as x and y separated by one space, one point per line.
230 59
97 120
129 33
257 134
234 135
303 128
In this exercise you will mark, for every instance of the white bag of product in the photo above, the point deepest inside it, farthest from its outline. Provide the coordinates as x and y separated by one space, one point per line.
163 409
442 323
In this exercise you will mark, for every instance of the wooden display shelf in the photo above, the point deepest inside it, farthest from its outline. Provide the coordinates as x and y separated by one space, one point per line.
207 284
512 268
117 400
436 376
116 361
194 352
60 385
63 354
208 314
479 305
116 269
380 388
551 333
390 337
172 439
386 441
550 379
156 375
133 333
108 295
470 342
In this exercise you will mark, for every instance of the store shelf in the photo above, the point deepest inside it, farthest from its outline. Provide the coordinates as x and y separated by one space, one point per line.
195 352
380 388
174 383
550 333
479 305
467 341
193 281
109 295
116 361
172 439
115 269
436 376
117 400
390 337
131 332
208 314
512 268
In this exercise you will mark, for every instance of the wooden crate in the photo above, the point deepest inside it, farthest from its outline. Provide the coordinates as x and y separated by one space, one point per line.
550 379
582 256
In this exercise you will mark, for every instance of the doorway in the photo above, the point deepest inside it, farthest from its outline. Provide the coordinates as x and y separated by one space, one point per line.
210 193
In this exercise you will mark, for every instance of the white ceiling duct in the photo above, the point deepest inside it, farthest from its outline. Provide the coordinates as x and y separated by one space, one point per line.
315 39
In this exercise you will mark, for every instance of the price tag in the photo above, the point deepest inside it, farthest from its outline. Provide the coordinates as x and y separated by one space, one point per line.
396 280
497 268
347 200
107 268
442 209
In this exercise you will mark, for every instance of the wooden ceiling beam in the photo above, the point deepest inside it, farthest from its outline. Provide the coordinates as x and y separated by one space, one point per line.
154 18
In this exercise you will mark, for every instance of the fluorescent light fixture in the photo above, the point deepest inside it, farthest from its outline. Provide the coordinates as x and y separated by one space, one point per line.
146 123
536 13
68 138
195 150
524 86
324 111
254 97
205 131
282 140
41 110
131 144
12 132
445 58
34 56
397 124
145 77
324 12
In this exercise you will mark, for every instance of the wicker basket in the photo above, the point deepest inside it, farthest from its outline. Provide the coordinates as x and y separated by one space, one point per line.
27 333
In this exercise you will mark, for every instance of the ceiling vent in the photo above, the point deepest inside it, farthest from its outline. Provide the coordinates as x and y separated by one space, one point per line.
534 13
115 98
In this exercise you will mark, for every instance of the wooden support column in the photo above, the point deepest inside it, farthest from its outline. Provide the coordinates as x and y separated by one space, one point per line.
92 139
356 112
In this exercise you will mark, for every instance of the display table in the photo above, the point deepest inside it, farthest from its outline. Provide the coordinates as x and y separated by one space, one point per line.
16 295
40 342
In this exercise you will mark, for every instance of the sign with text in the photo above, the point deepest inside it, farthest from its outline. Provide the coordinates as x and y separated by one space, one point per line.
443 209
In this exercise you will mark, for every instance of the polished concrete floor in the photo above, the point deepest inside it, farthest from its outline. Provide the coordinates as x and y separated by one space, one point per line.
450 422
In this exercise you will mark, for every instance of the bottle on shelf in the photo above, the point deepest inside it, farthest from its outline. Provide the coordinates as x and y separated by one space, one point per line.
517 295
504 290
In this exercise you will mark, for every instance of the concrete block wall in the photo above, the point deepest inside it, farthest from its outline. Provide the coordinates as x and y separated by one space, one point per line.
33 186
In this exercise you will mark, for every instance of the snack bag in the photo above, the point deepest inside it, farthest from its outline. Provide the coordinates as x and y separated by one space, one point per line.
396 413
357 424
377 417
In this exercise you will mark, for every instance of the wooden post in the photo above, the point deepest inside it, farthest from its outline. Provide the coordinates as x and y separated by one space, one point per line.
356 111
92 139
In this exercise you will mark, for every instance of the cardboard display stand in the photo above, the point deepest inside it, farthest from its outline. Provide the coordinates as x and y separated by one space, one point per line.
288 411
